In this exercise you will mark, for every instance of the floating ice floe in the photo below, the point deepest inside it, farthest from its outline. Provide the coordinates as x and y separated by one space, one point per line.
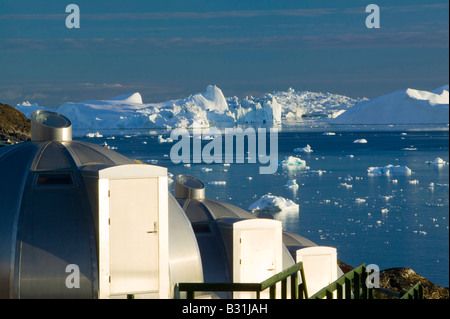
432 185
409 149
161 139
346 185
360 200
206 169
293 162
217 183
315 172
96 134
389 170
360 141
385 211
292 184
329 133
306 149
413 182
437 161
273 203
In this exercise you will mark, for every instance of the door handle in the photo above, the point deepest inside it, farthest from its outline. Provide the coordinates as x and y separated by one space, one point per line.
155 229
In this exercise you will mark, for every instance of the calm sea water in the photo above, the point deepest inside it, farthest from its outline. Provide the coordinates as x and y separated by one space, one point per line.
375 221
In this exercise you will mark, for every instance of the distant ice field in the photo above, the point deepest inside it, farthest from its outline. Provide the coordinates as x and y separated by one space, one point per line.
392 220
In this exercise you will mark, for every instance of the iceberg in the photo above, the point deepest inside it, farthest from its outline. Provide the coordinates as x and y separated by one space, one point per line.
407 106
437 161
389 170
273 203
360 141
292 162
199 110
161 139
217 183
96 134
292 184
306 149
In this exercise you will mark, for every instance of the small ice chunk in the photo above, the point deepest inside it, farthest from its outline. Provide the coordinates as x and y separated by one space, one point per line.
409 149
360 141
384 211
293 162
389 170
329 133
315 172
306 149
292 183
96 134
360 200
273 203
217 183
413 182
161 139
437 161
346 185
206 169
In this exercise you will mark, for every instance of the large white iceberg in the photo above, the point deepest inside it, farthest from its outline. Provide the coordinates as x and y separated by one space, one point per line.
200 110
406 106
273 203
212 108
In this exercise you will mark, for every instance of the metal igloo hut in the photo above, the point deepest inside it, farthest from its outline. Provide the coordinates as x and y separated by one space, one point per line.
68 206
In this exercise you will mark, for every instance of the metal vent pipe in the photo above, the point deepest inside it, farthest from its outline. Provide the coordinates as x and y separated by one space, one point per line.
188 187
50 126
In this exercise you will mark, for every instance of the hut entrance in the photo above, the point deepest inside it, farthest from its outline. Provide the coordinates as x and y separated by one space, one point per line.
133 213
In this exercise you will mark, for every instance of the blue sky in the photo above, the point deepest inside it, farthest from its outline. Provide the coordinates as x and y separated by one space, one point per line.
170 49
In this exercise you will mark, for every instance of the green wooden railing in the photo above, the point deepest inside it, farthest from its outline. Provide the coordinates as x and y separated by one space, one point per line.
352 285
415 292
349 286
298 291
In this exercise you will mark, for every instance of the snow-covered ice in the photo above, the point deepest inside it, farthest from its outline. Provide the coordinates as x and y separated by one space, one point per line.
389 170
360 141
161 139
212 108
273 203
292 162
96 134
407 106
217 183
292 184
437 161
306 149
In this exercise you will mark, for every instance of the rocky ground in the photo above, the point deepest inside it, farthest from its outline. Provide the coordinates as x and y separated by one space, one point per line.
14 126
403 279
400 280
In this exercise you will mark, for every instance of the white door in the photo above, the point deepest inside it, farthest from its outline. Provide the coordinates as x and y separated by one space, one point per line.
258 258
133 231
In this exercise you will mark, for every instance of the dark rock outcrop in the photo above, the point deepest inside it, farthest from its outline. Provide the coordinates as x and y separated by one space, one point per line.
403 279
14 126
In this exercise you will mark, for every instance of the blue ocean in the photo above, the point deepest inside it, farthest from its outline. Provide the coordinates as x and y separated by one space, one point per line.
391 221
